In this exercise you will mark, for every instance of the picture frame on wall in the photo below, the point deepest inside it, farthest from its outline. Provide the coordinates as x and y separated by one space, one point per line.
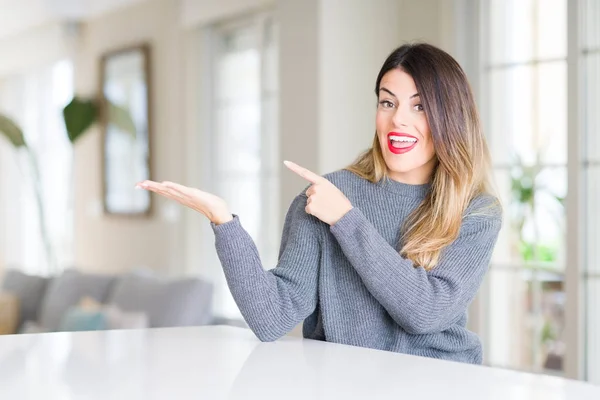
125 88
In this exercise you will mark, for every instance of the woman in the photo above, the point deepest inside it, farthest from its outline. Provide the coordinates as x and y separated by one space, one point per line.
389 252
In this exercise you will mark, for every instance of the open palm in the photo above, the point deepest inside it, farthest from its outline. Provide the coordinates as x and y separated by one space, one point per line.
211 206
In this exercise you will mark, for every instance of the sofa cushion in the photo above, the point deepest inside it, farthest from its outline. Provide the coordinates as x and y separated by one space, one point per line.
185 302
29 290
67 290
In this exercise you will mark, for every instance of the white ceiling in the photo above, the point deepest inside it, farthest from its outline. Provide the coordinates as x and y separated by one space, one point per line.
19 15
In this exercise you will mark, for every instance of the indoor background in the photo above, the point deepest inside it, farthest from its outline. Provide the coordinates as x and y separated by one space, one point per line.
220 92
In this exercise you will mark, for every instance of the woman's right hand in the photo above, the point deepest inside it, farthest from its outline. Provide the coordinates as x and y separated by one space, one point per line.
211 206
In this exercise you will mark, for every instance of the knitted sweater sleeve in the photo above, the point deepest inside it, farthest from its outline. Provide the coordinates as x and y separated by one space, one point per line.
273 302
420 301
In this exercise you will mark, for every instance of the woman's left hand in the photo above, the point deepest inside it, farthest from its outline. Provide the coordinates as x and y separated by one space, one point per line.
325 201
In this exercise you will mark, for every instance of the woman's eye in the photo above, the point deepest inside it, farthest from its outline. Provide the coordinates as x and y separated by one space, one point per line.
419 107
386 104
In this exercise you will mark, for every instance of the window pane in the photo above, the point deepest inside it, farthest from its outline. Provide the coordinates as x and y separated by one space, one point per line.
592 347
523 30
511 36
552 111
506 251
528 113
511 118
551 332
238 76
551 21
238 137
509 329
243 196
591 109
592 222
35 100
543 216
526 319
590 11
533 231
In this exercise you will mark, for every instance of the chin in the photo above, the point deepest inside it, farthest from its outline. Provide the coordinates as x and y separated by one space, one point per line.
400 168
406 170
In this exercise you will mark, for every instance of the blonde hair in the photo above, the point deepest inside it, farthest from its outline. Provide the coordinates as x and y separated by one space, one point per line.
463 161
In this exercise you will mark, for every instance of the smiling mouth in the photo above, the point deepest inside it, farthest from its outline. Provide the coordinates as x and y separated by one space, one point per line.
401 143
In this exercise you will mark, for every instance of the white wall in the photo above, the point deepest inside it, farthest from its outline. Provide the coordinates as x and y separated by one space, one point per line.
299 74
355 38
41 45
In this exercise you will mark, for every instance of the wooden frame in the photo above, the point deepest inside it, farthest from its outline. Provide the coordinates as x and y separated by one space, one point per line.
126 97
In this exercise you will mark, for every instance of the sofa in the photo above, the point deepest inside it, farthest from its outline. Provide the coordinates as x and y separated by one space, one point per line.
76 300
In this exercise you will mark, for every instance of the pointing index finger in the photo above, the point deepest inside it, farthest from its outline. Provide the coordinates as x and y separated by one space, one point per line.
303 172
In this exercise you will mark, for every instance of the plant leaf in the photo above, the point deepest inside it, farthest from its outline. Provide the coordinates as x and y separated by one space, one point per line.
79 115
121 118
12 131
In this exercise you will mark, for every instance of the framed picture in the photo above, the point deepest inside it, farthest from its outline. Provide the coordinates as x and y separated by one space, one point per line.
126 130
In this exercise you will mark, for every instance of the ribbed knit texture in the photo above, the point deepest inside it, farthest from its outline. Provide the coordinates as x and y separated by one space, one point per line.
348 282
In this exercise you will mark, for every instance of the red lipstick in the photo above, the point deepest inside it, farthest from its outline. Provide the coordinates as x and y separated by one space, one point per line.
400 143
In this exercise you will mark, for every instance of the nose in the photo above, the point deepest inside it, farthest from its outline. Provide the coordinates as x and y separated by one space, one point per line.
400 118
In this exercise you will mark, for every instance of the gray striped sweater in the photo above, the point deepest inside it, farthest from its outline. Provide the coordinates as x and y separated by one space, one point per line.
349 284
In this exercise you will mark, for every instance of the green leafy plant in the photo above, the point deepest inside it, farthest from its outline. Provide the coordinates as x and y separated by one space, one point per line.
80 114
12 132
526 186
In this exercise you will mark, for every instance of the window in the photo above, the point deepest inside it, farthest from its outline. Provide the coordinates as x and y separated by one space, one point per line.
532 123
525 80
244 138
589 61
35 101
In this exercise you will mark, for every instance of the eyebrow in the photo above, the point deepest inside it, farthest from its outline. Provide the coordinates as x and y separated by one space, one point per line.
390 92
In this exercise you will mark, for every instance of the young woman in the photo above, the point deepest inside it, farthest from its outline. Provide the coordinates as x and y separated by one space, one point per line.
389 252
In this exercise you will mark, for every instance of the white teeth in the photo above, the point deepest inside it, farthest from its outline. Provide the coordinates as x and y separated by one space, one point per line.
402 139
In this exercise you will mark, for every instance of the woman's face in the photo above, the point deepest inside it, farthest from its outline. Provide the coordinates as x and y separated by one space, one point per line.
403 131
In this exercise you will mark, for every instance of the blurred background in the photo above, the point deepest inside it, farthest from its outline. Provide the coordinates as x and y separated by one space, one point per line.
96 95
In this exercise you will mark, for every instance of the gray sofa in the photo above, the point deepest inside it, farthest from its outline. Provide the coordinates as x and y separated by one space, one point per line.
163 303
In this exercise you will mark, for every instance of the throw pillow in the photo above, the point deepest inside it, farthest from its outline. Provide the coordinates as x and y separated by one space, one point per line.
78 319
9 313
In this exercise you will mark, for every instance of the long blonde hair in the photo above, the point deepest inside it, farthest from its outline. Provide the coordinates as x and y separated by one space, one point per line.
463 160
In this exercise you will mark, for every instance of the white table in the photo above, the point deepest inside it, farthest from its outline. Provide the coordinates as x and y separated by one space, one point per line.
230 363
